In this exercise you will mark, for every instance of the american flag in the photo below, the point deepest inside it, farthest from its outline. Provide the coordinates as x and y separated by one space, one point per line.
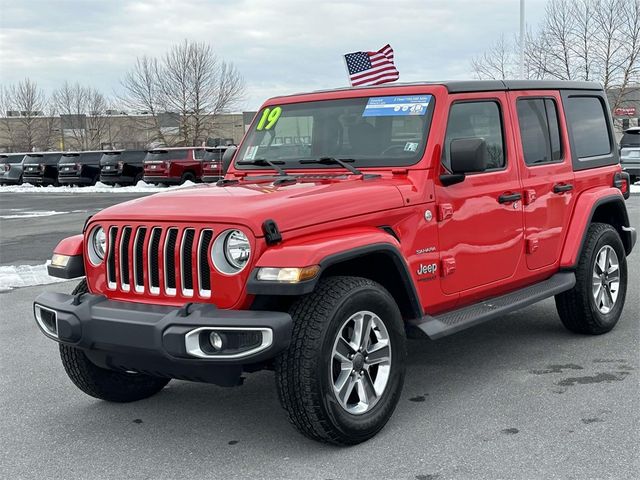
371 68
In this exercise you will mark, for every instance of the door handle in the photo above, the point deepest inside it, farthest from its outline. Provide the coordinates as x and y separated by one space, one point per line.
562 187
509 197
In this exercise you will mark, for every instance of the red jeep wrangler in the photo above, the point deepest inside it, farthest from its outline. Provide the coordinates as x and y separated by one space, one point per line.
173 165
349 219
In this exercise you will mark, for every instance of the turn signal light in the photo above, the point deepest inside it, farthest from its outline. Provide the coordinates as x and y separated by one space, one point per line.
58 260
287 274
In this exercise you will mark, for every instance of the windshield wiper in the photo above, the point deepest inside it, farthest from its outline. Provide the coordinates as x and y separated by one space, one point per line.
343 162
263 162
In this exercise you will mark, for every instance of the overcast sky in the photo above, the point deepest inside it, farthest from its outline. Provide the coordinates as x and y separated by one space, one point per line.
280 46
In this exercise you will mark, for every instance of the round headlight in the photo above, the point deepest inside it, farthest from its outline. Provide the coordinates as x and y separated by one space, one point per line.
231 252
97 245
237 249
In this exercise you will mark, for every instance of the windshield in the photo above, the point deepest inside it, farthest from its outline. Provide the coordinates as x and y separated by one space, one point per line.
131 156
46 158
631 138
12 158
213 155
159 155
373 131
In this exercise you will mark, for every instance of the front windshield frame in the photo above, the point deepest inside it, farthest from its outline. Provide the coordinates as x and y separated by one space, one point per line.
359 161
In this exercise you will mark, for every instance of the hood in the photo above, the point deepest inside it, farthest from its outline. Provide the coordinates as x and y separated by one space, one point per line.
291 206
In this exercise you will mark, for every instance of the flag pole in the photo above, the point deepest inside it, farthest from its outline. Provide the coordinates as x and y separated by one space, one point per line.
522 39
344 61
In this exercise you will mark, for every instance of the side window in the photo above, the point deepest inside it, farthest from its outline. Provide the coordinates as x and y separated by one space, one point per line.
477 119
588 124
198 154
539 130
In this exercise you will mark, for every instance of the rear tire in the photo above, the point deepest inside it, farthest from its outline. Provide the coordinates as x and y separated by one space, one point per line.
137 179
594 305
339 398
104 384
187 177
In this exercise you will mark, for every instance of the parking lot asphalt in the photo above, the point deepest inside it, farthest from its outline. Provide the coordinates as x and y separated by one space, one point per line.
517 398
32 224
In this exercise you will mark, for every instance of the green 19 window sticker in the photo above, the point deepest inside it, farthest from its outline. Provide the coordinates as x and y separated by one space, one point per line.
269 118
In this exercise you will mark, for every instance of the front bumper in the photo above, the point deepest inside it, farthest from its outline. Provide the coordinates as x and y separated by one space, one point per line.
161 340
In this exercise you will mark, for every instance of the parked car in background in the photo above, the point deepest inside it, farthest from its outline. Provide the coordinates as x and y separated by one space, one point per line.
630 153
11 168
212 169
79 168
123 167
173 165
41 168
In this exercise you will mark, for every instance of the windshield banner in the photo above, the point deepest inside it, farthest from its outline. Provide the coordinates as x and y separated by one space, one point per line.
397 106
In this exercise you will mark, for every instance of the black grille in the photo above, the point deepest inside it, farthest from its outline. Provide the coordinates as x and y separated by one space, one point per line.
154 245
203 260
124 256
138 254
170 259
111 259
187 264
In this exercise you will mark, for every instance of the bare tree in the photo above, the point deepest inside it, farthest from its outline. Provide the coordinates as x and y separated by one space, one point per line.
596 40
82 110
10 137
24 123
497 62
189 81
142 96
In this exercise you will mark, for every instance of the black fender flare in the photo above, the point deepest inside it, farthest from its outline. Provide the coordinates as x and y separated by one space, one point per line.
255 287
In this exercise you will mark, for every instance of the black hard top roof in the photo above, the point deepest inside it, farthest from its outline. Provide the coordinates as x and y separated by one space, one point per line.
170 149
468 86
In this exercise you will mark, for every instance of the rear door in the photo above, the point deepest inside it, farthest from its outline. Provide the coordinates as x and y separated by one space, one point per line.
546 173
480 219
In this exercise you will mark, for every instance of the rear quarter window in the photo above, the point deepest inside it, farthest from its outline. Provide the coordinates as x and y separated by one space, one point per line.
588 123
590 129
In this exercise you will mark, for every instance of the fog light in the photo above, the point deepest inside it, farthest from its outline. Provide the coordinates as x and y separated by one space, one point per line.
215 340
287 274
47 320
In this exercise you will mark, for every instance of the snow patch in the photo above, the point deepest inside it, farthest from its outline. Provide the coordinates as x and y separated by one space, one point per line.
99 187
15 276
635 188
43 213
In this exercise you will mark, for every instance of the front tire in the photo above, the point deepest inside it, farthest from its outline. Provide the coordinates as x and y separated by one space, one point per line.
341 377
594 305
104 384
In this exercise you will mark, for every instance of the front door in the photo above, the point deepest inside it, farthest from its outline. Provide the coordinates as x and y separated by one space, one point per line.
480 225
546 172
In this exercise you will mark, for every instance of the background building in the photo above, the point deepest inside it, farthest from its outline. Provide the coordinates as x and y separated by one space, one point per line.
113 130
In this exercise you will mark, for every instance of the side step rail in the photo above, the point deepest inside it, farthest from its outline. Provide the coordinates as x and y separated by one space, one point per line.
444 324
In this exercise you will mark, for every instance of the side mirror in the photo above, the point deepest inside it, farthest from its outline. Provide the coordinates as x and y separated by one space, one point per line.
469 155
227 158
